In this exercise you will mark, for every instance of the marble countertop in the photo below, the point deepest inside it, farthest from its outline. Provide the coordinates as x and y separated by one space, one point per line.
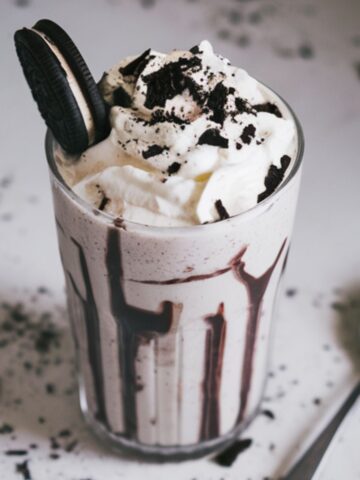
310 53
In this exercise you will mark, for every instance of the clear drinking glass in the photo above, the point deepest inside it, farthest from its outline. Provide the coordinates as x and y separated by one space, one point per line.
172 325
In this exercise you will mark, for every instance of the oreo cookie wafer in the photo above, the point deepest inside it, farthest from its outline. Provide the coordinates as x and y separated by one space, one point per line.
62 85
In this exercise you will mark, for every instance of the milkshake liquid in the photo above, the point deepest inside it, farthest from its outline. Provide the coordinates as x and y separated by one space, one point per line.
172 325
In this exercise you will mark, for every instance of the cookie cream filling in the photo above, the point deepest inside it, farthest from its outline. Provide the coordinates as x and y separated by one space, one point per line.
193 140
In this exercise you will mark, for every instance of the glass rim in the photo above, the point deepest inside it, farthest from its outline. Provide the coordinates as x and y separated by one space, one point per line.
180 230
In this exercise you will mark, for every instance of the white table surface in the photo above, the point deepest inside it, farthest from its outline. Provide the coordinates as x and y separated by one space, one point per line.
315 349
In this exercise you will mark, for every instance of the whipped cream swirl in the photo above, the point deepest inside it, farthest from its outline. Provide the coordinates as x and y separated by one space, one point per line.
193 140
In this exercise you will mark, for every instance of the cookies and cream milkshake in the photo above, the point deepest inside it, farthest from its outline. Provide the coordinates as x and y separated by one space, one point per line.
192 139
174 231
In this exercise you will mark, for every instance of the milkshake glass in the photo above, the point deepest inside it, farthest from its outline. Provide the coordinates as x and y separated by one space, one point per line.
172 325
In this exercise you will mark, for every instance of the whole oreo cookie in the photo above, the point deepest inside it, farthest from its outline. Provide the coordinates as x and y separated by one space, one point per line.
62 86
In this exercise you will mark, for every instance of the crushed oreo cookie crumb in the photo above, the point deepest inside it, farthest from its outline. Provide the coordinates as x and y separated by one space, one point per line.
213 137
268 107
228 456
223 34
50 388
248 134
243 106
268 413
24 470
54 444
159 116
6 181
306 51
217 101
136 66
121 97
243 40
173 168
171 80
105 200
234 16
195 50
71 446
290 292
16 453
255 18
152 151
221 210
6 428
274 177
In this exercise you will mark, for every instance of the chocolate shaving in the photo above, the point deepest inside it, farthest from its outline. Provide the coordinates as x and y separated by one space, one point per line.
174 168
212 137
227 457
217 101
223 214
136 66
268 108
274 177
171 80
121 97
248 134
153 150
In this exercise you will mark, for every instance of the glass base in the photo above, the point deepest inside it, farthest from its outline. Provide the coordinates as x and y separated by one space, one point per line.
159 453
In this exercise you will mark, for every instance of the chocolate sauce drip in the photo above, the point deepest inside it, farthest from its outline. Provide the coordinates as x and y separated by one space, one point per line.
135 326
191 278
255 288
214 354
92 323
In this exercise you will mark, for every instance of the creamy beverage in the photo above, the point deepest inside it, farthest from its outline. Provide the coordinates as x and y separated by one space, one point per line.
174 229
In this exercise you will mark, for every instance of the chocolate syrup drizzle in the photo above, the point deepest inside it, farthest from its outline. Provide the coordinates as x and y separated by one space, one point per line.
255 288
92 323
135 326
192 278
215 338
214 354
